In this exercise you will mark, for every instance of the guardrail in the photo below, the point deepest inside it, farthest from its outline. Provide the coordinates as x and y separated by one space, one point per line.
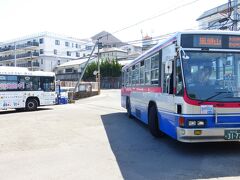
19 46
18 56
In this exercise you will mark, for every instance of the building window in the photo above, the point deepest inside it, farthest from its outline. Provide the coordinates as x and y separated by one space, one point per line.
41 61
41 41
59 62
55 51
72 44
41 51
68 53
66 43
76 46
57 42
68 70
88 47
77 54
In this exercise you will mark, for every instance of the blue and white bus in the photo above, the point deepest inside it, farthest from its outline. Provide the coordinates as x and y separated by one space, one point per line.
22 89
187 87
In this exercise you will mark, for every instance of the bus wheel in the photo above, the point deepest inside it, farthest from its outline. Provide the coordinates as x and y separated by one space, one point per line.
128 105
31 105
153 122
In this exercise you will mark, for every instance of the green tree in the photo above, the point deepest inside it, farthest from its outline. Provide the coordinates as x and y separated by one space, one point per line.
108 68
89 71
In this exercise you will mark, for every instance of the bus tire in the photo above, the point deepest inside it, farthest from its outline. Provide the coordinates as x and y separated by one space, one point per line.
31 105
128 106
153 122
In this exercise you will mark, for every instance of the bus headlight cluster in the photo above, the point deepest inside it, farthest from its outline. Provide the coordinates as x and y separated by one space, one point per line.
196 123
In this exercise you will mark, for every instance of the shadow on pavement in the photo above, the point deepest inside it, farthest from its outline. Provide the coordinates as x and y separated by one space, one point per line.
141 156
12 111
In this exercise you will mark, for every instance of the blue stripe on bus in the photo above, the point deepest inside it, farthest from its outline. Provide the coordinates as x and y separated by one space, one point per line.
168 121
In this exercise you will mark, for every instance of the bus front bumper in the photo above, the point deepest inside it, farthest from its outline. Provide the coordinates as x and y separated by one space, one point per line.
207 134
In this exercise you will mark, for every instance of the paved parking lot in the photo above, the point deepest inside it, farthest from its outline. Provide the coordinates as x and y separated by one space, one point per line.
94 139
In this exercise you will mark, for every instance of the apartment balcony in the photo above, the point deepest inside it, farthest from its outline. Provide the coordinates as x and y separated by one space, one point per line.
19 46
68 76
20 56
30 64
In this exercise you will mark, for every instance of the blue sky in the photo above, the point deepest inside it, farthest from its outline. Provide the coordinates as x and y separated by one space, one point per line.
83 19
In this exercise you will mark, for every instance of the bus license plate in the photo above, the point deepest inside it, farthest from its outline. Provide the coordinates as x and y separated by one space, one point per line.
231 134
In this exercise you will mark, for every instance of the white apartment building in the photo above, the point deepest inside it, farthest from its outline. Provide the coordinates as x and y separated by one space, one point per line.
43 51
113 53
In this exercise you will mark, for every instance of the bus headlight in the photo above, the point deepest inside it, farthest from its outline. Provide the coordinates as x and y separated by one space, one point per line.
196 123
200 123
192 123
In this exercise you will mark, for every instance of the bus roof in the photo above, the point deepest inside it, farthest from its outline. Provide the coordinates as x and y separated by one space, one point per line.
8 70
173 38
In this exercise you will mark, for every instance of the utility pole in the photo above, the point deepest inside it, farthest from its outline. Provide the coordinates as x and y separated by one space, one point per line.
235 15
84 69
98 64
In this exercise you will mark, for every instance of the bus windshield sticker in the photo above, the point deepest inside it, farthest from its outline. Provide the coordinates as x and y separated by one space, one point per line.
207 109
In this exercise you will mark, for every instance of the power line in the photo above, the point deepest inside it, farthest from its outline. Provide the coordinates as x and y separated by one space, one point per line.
150 18
154 17
156 38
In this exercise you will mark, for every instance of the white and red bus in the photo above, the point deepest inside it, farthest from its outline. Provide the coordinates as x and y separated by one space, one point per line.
187 87
23 89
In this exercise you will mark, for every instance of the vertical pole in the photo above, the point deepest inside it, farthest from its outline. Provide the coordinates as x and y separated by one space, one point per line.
98 70
15 56
235 15
84 69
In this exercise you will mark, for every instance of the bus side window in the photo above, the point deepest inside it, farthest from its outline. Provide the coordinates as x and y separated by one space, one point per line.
47 83
35 81
123 78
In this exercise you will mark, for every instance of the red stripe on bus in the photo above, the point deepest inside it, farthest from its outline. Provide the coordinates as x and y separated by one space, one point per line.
215 104
127 91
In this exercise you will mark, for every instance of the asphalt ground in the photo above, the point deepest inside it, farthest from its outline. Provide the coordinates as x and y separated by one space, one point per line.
94 139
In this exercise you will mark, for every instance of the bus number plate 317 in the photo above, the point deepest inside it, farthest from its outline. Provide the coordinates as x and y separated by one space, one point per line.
232 134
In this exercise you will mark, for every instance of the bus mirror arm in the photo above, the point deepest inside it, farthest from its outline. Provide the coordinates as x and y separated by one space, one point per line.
185 56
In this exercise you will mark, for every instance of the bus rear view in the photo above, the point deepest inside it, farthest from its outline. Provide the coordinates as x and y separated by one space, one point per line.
187 87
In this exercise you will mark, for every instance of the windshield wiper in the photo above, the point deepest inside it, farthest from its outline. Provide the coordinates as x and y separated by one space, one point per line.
213 96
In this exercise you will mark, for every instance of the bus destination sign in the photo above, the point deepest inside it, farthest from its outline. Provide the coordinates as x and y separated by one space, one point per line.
207 41
234 42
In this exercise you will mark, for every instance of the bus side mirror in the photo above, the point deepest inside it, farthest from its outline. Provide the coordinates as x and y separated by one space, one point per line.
168 67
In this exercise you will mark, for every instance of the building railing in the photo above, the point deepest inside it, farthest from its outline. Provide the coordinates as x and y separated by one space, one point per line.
24 55
30 64
19 46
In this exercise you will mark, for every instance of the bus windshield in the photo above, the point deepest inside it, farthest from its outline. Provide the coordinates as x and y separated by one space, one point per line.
212 76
